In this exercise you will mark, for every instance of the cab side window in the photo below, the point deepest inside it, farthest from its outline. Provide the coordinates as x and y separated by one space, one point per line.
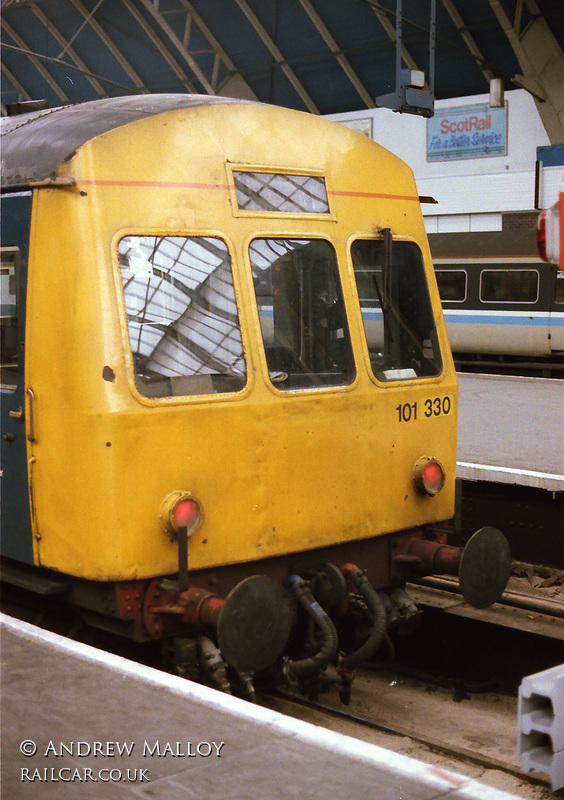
15 221
9 291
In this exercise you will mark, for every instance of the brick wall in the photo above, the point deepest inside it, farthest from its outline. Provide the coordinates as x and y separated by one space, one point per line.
519 220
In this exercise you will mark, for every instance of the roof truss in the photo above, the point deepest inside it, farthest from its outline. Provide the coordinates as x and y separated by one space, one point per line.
219 47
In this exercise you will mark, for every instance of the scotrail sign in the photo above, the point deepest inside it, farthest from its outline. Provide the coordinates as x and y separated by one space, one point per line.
467 132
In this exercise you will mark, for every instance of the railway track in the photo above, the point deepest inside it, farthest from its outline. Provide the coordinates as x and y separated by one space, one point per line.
451 695
410 718
526 605
436 712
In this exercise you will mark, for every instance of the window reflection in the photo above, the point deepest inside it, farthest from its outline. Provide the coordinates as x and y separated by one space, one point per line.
396 309
452 284
181 315
302 313
509 286
268 191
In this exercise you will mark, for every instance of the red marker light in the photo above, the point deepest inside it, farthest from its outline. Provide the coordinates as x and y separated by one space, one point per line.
428 475
550 233
433 477
187 514
181 509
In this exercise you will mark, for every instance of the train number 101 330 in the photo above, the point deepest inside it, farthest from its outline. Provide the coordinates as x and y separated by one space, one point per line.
432 407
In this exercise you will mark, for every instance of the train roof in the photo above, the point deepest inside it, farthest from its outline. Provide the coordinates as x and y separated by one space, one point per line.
35 144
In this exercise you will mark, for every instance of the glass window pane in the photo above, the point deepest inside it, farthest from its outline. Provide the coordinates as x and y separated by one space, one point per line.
181 315
452 284
396 309
509 286
9 276
268 191
559 288
302 313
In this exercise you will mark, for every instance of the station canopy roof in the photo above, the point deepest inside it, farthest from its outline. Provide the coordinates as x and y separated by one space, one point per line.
323 56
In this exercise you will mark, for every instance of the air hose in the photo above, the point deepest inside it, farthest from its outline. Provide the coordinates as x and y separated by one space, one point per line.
379 616
328 649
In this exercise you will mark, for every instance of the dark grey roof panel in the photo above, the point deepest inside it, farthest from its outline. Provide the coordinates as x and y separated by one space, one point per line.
484 244
35 144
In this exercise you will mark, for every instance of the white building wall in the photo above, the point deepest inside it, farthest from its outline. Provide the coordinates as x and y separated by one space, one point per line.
472 193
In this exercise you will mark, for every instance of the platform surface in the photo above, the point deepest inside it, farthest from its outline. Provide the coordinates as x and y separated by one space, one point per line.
81 723
511 430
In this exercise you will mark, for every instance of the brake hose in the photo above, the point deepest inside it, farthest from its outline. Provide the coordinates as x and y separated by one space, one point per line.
328 649
379 616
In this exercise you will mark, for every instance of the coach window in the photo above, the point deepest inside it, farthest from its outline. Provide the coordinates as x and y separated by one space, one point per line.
559 293
396 309
452 284
509 286
302 313
181 315
9 274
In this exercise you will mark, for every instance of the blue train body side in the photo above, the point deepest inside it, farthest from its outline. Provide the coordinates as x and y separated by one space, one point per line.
16 532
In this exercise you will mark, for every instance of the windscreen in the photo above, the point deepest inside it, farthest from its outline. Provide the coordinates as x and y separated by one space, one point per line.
181 315
396 309
302 313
